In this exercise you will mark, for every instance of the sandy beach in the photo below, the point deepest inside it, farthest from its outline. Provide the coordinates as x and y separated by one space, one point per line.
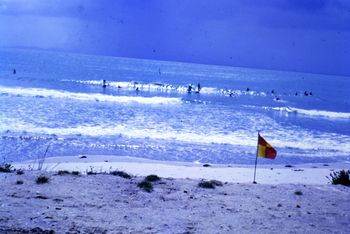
296 199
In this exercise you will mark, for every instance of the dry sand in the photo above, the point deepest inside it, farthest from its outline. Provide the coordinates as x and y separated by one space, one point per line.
105 203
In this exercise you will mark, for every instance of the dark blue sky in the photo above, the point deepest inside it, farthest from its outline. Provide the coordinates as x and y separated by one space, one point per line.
296 35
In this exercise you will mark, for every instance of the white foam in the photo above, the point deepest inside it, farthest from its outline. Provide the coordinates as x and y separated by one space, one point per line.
313 113
50 93
285 138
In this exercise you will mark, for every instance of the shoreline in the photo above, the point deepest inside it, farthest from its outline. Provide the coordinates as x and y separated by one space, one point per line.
233 173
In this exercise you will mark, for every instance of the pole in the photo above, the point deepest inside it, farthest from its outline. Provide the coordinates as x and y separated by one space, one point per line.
256 159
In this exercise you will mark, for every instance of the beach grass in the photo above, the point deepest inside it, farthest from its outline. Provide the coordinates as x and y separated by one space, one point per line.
210 184
42 180
6 168
146 186
121 174
340 177
206 184
152 178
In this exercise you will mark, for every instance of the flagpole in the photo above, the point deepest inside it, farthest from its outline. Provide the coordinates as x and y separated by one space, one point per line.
256 158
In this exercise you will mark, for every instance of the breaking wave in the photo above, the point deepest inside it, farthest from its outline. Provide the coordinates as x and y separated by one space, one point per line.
50 93
160 87
238 138
313 113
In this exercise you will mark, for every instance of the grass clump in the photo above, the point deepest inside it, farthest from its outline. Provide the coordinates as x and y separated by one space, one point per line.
6 168
340 177
210 184
121 174
298 192
152 178
19 172
145 185
42 180
216 182
63 172
91 172
206 184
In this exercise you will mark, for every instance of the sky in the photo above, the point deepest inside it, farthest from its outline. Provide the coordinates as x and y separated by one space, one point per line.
294 35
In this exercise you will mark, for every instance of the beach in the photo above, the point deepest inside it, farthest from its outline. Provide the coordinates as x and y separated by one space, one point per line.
292 199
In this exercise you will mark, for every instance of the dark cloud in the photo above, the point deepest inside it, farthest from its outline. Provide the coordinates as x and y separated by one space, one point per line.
303 35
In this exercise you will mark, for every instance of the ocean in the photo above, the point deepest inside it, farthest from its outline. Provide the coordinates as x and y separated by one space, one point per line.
54 104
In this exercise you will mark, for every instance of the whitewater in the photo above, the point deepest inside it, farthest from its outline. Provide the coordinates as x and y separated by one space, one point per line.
169 111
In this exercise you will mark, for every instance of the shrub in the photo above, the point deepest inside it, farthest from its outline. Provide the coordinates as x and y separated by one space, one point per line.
216 182
42 180
19 172
63 172
145 185
340 177
91 172
152 178
210 184
206 184
298 192
6 168
121 174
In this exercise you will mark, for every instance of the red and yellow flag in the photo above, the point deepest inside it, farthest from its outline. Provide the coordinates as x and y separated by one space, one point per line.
265 150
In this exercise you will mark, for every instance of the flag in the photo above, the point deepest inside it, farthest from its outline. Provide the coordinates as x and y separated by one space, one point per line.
265 150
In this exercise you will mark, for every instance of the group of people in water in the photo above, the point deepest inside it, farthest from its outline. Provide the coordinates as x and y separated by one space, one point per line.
196 89
190 88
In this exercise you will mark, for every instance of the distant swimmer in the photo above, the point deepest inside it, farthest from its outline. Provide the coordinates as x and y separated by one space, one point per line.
14 71
310 93
104 85
296 93
248 89
199 87
306 93
189 89
272 91
137 89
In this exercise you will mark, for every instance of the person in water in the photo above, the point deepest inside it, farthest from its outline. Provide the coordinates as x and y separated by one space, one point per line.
199 87
14 71
189 89
104 84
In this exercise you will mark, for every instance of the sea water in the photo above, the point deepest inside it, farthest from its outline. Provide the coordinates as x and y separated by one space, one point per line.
54 104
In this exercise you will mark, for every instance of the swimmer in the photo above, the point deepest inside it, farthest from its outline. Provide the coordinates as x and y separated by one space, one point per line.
199 87
189 89
14 71
104 85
